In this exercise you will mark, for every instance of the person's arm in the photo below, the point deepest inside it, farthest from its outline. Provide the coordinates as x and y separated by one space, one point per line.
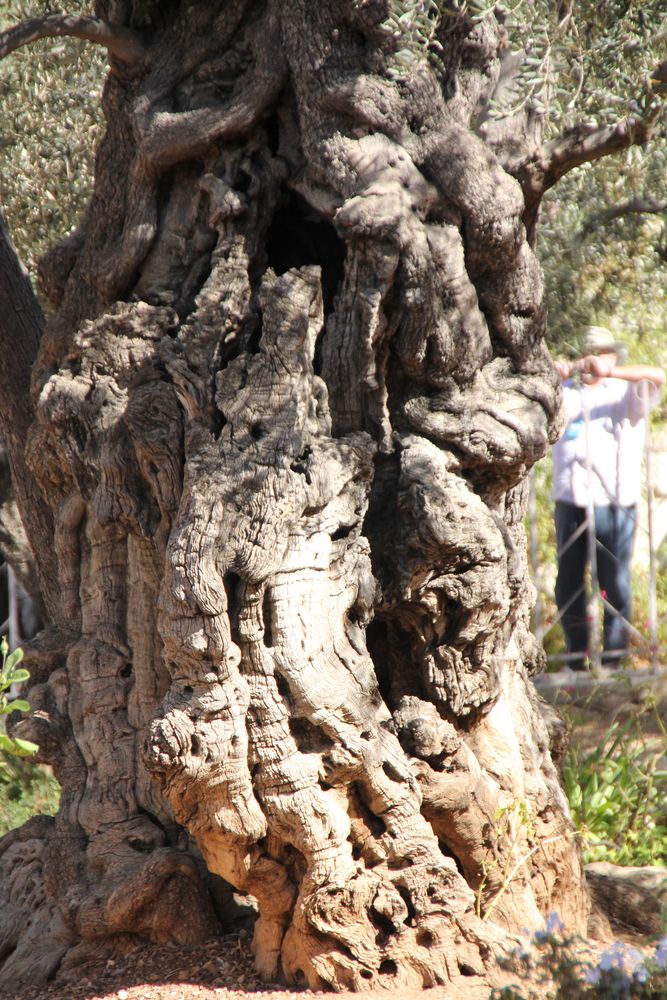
639 373
601 367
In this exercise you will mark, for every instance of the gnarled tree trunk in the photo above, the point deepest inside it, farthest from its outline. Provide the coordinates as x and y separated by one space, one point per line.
276 455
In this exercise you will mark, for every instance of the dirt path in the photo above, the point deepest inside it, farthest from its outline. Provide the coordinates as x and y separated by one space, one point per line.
219 970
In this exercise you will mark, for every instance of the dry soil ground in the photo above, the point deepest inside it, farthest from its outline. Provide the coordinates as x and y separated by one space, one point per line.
219 970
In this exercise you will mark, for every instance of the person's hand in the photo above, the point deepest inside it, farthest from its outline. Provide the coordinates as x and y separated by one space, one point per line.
598 366
564 368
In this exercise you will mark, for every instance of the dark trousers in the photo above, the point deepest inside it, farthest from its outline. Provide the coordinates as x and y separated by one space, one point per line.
614 533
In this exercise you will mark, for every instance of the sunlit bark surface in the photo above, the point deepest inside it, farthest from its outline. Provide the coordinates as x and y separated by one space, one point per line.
281 422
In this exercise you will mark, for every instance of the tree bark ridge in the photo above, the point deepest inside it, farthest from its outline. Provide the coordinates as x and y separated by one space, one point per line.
292 582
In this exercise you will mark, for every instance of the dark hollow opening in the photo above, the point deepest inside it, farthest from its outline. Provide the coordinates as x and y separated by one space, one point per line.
447 852
309 738
232 583
266 615
377 643
297 236
343 532
388 968
410 920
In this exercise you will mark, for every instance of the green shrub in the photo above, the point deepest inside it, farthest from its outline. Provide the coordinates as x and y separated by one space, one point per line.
25 792
618 792
25 788
11 673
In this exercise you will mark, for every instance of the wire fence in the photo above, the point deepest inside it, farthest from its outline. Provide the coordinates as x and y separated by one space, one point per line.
10 627
10 604
644 642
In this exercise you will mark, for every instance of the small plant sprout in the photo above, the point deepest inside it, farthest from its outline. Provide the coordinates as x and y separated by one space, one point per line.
515 841
10 674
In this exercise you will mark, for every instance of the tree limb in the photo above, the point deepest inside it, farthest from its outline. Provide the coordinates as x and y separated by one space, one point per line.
121 42
175 136
545 166
581 144
584 145
171 137
21 325
634 206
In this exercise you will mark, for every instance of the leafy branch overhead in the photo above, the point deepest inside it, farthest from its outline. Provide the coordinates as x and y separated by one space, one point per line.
582 62
592 74
51 122
603 246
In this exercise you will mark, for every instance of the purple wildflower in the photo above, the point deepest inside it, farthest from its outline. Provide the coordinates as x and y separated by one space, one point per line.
553 923
660 956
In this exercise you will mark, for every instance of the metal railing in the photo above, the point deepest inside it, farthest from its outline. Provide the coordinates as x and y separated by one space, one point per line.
11 625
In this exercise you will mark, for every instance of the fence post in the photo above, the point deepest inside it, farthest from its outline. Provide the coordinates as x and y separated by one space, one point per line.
14 636
593 607
535 557
644 392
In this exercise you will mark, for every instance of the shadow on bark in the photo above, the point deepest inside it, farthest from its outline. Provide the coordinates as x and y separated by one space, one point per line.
282 417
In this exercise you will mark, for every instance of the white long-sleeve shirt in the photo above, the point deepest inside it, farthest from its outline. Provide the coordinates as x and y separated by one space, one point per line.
607 420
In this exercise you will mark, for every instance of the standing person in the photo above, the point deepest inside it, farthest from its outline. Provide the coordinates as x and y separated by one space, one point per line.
597 474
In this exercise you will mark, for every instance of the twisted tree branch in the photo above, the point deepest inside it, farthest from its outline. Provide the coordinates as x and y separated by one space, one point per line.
584 145
121 42
633 206
545 166
539 172
171 137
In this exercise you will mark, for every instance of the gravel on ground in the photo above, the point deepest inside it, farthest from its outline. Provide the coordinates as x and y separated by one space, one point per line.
221 969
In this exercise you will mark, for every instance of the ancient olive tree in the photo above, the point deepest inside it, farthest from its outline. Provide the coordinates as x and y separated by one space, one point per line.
270 452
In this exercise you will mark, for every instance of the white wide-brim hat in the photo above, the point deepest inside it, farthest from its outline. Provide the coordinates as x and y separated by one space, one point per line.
599 340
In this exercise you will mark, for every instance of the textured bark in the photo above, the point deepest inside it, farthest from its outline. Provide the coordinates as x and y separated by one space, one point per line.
14 545
21 325
282 422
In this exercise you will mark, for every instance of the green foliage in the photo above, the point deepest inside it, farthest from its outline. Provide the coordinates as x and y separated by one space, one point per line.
609 272
571 53
618 792
25 788
11 673
554 966
50 124
589 62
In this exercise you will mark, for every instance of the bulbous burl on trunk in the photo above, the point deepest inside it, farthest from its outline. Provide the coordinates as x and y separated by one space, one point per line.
283 417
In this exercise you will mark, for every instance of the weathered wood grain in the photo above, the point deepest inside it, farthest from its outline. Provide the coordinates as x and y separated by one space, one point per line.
282 419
